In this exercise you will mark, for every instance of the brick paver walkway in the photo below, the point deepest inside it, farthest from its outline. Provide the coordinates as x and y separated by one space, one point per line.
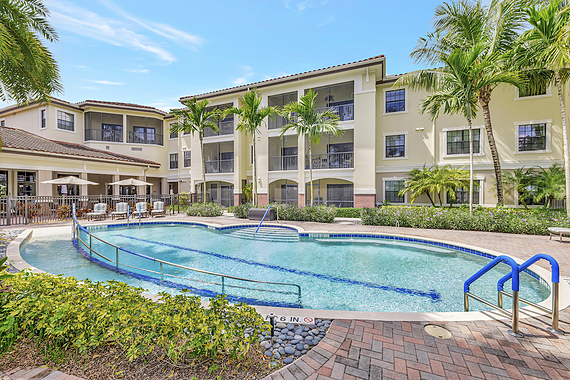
41 373
358 349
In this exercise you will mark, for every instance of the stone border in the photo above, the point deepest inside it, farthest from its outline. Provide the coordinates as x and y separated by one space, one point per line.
14 257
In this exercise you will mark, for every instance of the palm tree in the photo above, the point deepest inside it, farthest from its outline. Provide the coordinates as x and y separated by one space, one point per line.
195 118
466 24
456 178
549 184
27 68
455 88
303 117
546 47
519 181
251 116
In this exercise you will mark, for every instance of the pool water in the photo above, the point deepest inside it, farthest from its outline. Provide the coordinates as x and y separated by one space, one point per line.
361 274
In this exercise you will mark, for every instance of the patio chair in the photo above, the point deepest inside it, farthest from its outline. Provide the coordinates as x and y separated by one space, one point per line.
121 210
558 231
140 206
99 211
158 209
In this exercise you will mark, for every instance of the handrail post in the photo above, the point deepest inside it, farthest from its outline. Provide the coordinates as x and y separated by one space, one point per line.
515 320
555 308
161 272
117 257
500 299
223 285
466 301
90 244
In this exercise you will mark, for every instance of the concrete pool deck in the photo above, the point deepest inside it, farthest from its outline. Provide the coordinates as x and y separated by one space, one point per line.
374 349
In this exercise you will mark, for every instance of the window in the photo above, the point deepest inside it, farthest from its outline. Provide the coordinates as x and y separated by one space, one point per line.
340 195
173 160
542 89
3 183
65 121
280 101
395 101
144 130
532 137
458 141
339 97
187 159
530 198
391 191
27 183
144 135
251 154
3 123
103 127
43 119
395 146
462 195
173 134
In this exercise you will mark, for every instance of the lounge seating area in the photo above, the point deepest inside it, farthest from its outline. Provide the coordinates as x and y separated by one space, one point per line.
121 210
158 209
99 211
560 231
140 210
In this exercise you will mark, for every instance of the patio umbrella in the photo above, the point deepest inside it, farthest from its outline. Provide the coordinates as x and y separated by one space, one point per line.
131 182
71 180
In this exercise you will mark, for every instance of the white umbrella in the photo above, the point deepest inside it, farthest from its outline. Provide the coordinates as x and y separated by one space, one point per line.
71 180
131 182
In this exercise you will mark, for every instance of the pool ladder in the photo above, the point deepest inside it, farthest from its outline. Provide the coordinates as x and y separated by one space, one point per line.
515 285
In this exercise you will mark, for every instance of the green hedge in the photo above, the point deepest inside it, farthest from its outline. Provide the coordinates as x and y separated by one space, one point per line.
208 209
516 221
348 212
321 214
242 211
65 313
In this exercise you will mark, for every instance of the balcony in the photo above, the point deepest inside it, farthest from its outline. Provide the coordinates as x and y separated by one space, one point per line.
332 160
103 135
145 138
345 112
282 163
224 128
220 166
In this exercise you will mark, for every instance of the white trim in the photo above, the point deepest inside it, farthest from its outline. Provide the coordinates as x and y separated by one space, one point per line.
462 128
46 118
3 120
384 135
384 189
178 134
547 95
177 159
67 112
385 90
548 138
183 158
481 180
364 191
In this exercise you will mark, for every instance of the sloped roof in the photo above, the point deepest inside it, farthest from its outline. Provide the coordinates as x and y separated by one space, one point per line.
19 139
355 64
119 104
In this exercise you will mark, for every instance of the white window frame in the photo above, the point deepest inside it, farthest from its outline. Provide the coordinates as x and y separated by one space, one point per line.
481 129
548 123
169 153
405 88
172 138
384 180
3 120
384 145
75 119
184 158
479 178
547 95
44 109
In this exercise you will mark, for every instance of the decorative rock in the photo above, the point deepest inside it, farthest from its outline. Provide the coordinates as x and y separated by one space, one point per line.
280 325
293 342
298 337
265 344
289 350
300 346
288 360
303 352
279 340
282 337
276 345
269 354
277 355
290 326
284 331
315 331
297 353
290 333
304 333
281 350
305 347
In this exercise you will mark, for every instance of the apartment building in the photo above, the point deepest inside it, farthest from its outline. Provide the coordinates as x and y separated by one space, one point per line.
384 136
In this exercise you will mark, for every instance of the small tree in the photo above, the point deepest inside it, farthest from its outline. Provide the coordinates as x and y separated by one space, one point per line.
195 118
435 180
549 184
519 181
302 116
251 116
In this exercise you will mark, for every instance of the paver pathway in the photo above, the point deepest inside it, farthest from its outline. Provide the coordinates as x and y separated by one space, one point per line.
41 373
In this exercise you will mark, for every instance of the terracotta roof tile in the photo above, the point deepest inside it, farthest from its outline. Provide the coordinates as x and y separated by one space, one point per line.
19 139
283 77
132 105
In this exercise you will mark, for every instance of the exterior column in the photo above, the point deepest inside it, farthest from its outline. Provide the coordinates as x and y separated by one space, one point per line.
44 188
83 188
141 190
164 186
116 178
241 159
301 170
262 146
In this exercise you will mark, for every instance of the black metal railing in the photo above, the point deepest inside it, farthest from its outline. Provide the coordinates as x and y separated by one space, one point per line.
224 128
220 166
282 163
145 138
345 112
331 160
103 135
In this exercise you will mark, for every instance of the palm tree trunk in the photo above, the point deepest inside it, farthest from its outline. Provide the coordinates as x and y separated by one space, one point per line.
203 169
494 152
565 140
430 199
254 174
311 169
470 165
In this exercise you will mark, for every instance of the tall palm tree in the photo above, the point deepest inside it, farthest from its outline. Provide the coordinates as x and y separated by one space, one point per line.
251 116
549 184
455 88
465 24
195 118
546 47
27 69
303 117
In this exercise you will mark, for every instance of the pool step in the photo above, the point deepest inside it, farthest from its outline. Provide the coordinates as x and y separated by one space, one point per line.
266 234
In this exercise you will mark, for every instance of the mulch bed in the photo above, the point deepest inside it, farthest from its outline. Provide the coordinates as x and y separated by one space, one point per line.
109 363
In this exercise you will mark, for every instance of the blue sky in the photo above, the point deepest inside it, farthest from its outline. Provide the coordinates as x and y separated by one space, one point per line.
154 52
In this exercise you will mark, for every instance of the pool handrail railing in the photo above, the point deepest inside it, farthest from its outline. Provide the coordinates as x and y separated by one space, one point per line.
75 235
514 285
262 219
555 278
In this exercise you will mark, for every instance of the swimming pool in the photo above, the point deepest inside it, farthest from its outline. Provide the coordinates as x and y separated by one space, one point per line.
346 272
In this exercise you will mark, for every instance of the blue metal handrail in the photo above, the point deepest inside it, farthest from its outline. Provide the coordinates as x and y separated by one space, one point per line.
514 272
262 219
541 256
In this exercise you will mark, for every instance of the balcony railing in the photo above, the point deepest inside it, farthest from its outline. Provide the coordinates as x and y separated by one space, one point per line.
224 128
345 112
276 122
145 138
331 160
103 135
220 166
282 163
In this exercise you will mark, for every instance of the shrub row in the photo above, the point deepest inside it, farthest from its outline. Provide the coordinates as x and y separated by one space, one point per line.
321 214
516 221
201 209
65 313
348 212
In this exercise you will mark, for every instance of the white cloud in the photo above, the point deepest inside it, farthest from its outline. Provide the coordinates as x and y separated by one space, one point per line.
303 5
67 16
142 71
246 77
80 66
239 81
107 82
